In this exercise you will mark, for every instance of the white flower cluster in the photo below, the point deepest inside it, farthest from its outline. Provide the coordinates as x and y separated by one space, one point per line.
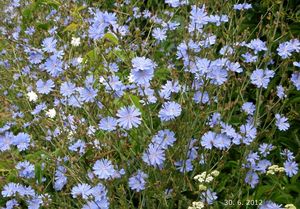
290 206
206 177
275 169
196 205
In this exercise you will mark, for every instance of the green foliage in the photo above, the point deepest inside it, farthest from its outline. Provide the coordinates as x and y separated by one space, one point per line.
271 21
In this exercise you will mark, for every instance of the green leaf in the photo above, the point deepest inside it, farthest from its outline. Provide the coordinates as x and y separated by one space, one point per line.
71 27
293 188
135 100
38 172
120 54
44 26
262 190
52 3
282 197
90 55
162 74
111 37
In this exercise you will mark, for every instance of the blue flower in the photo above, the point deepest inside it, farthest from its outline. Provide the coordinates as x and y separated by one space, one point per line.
222 141
209 196
182 50
261 78
173 3
249 108
296 64
49 44
286 49
113 84
252 157
257 45
97 31
184 165
270 205
26 191
35 202
234 67
22 141
214 119
138 182
169 111
291 168
100 22
60 178
202 98
142 70
67 89
44 87
249 132
78 146
249 58
288 154
98 204
6 141
296 80
200 67
74 101
207 140
252 179
10 189
29 31
39 108
280 92
265 149
218 75
159 34
243 6
54 66
10 204
104 169
281 122
99 192
262 165
87 94
108 124
192 153
129 117
154 155
164 138
149 93
217 19
83 190
198 18
168 88
35 56
26 169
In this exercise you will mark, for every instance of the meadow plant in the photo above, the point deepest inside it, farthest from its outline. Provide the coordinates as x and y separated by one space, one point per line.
149 104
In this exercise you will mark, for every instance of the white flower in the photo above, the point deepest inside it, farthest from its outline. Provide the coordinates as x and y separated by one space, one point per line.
209 178
51 113
79 59
75 41
197 205
215 173
32 96
290 206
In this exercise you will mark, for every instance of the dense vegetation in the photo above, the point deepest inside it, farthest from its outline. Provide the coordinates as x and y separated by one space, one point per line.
149 104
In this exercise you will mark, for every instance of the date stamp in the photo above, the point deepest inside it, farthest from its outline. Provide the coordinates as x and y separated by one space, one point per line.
230 202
